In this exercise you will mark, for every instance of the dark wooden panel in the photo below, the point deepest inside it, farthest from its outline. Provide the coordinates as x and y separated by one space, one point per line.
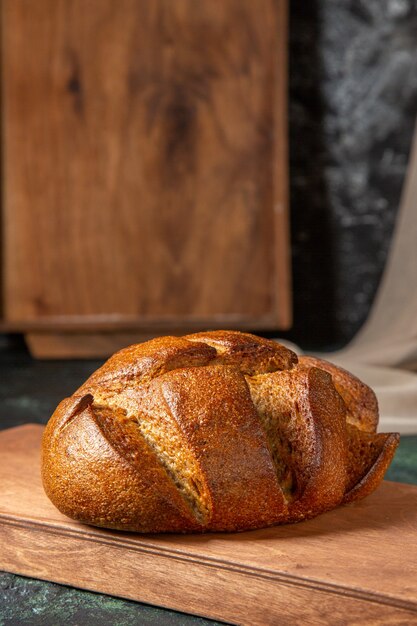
354 565
145 160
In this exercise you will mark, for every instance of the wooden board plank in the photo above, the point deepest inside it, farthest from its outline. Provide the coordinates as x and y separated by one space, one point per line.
145 161
81 346
355 564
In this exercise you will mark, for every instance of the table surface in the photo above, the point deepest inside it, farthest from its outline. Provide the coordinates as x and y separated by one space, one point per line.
29 392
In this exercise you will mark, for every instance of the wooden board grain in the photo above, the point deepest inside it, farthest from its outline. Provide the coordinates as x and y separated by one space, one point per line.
145 162
82 346
355 564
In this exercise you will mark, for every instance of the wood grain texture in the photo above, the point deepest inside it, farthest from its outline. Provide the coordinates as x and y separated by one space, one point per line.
357 564
145 161
80 346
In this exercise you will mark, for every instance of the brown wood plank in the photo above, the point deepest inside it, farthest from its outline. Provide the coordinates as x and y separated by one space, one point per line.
117 321
81 346
357 564
145 160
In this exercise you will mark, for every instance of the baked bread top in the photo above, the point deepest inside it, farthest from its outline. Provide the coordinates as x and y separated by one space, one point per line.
218 431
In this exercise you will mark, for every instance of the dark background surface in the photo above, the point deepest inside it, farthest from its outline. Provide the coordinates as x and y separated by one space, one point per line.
353 102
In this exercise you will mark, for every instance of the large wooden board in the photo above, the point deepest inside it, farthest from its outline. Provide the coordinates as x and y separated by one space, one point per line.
145 163
357 564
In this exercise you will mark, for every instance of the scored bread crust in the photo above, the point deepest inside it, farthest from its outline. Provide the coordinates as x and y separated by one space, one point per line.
215 431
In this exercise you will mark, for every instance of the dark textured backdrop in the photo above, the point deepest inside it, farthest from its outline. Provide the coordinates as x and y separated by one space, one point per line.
353 101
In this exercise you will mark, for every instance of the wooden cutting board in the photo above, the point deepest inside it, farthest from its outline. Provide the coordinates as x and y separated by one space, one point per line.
357 564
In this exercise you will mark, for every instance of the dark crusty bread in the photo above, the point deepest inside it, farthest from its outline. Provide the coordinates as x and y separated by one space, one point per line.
215 431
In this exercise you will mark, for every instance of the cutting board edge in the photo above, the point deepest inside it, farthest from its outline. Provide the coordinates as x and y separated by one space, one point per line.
92 535
246 599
